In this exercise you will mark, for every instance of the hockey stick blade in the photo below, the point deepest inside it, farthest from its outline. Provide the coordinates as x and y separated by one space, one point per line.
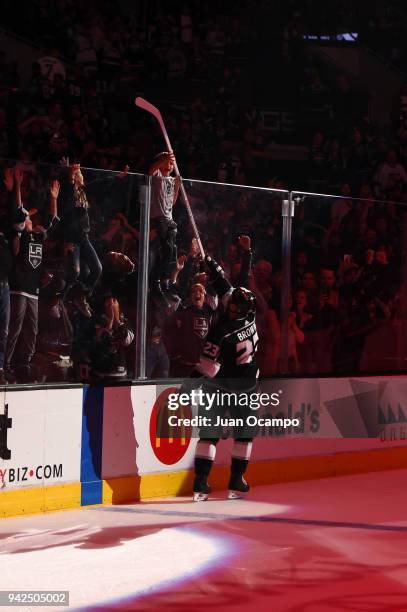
153 110
147 106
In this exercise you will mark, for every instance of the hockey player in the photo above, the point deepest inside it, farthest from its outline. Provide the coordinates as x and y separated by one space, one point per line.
228 363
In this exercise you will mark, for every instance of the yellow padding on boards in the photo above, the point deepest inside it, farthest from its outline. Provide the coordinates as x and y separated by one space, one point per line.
163 484
40 499
134 488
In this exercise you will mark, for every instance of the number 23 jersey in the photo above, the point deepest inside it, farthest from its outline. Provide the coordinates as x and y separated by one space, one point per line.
230 349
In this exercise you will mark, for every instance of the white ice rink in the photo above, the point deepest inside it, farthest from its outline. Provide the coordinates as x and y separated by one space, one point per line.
337 544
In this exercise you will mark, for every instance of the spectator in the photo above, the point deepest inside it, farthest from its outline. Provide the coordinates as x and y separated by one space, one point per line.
164 196
5 269
327 284
262 272
318 156
389 173
317 352
300 267
157 360
268 327
358 156
52 359
27 249
341 207
79 249
301 308
51 65
354 324
187 331
295 338
309 285
111 337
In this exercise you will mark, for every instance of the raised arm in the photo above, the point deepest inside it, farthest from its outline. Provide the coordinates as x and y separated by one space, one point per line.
177 185
8 179
53 201
19 177
245 245
164 163
186 272
133 231
220 283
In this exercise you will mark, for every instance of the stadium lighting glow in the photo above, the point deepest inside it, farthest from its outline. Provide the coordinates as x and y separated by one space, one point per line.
147 564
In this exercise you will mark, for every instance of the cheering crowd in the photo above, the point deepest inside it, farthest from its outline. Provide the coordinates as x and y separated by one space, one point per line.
69 275
69 236
205 66
49 273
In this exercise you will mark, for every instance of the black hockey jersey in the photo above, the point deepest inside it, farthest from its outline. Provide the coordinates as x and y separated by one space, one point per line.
229 352
187 332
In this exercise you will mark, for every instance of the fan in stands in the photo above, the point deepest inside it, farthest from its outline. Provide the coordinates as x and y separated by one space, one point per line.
119 263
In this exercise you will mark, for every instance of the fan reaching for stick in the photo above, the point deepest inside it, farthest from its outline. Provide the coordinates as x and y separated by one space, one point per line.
147 106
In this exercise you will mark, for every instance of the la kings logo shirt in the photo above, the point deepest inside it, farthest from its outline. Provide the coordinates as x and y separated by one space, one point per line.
187 332
27 268
35 254
201 327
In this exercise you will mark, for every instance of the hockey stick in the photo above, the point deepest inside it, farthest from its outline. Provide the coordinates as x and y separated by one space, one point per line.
141 103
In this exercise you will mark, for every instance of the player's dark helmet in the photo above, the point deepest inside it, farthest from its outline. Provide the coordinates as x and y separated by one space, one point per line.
241 303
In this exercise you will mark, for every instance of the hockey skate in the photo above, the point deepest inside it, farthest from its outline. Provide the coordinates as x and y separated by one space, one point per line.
237 486
201 489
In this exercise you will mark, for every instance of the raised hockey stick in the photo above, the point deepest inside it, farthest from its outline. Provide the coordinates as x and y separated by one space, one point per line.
141 103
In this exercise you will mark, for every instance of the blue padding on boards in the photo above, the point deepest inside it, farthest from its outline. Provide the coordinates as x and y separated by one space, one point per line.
91 493
91 457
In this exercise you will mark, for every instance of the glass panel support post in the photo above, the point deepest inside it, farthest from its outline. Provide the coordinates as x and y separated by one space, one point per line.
402 335
142 280
287 212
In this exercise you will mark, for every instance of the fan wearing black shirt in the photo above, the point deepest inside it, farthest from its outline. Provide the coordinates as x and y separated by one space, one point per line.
164 195
5 269
187 331
27 248
76 228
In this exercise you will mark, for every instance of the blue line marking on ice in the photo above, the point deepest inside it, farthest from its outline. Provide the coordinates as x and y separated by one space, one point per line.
261 519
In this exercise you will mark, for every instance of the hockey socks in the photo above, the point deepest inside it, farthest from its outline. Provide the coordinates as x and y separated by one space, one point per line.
204 458
241 452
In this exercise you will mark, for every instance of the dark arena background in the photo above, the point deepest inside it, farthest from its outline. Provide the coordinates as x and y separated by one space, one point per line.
203 298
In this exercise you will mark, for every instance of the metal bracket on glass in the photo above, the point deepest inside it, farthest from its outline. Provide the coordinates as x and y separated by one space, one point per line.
288 208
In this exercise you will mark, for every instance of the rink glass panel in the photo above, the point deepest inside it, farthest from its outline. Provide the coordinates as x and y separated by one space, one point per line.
222 213
66 348
346 253
348 286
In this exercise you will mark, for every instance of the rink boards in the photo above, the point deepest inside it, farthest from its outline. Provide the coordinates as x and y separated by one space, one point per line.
70 447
